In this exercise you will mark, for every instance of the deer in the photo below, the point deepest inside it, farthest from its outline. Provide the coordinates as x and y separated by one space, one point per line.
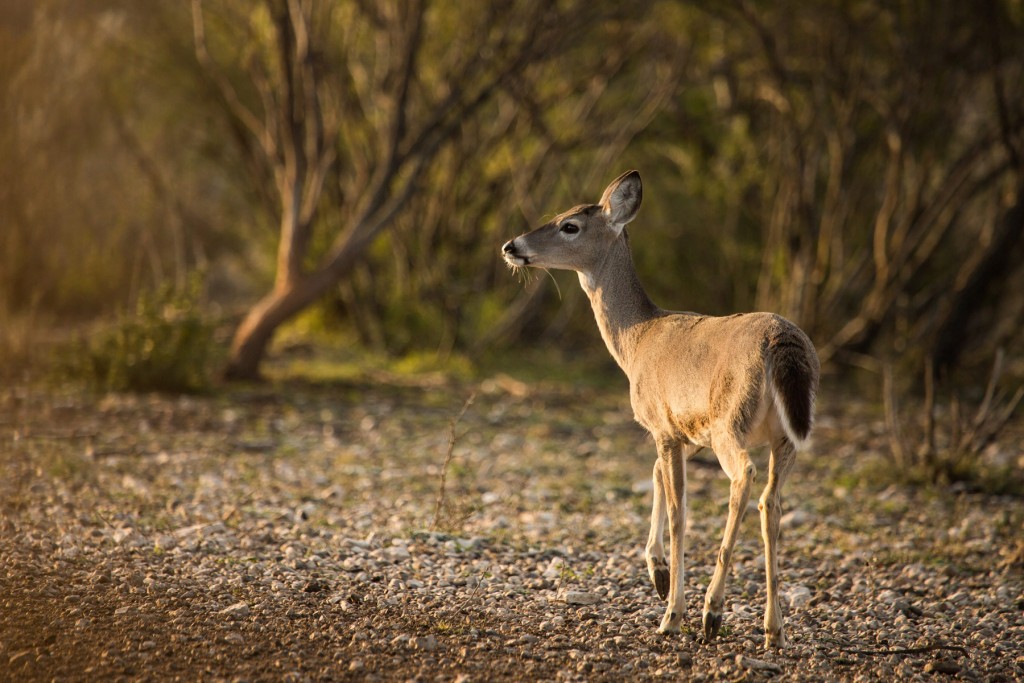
729 384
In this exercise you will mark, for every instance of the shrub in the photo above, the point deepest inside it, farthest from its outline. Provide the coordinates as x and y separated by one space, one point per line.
167 345
947 446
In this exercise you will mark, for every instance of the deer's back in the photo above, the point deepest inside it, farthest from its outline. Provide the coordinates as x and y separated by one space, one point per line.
692 371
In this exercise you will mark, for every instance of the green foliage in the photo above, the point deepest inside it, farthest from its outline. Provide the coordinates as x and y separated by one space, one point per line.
167 345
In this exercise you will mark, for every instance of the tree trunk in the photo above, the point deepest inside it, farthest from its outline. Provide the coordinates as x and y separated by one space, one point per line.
255 333
289 297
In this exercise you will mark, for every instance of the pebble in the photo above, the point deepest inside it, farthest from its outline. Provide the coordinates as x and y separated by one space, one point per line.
581 598
797 596
751 664
942 666
795 518
237 610
398 553
424 643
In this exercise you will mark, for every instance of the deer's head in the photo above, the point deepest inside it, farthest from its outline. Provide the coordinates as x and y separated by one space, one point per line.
580 238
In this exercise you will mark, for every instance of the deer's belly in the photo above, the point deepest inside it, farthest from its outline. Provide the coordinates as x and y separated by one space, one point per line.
673 422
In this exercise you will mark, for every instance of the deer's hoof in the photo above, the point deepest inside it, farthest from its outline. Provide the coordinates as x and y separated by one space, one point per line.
661 581
712 624
671 623
774 640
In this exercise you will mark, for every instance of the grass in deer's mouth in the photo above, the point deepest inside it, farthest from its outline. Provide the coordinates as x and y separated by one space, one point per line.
525 275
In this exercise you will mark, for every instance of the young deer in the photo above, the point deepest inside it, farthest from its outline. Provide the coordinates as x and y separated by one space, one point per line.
696 381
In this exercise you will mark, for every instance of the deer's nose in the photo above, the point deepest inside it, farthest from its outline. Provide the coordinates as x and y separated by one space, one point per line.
508 247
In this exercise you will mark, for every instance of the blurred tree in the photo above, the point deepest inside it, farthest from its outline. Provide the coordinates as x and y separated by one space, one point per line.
875 146
435 281
52 134
97 158
855 165
360 98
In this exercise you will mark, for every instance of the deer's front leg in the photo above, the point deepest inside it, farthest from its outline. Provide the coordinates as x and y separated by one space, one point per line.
673 464
657 566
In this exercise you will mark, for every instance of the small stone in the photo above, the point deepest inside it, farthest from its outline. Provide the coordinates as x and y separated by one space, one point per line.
795 518
942 666
906 609
751 664
356 665
581 598
425 643
889 597
797 596
238 610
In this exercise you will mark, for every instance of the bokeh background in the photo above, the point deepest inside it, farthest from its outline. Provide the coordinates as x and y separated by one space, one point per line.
219 181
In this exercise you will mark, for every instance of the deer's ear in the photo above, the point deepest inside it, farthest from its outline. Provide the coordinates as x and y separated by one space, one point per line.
621 199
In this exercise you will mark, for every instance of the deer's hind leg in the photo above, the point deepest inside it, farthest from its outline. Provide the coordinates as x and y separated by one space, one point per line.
741 472
782 459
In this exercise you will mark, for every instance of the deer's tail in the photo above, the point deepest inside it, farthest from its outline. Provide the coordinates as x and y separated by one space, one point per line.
793 371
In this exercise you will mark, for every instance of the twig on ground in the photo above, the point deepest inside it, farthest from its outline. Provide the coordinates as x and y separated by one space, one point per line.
905 650
439 504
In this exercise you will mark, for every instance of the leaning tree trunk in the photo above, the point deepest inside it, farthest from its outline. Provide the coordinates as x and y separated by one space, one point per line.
290 296
255 333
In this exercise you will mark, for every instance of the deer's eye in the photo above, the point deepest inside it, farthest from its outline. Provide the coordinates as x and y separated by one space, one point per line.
570 228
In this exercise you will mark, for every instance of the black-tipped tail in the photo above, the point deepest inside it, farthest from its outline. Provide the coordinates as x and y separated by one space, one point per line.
794 381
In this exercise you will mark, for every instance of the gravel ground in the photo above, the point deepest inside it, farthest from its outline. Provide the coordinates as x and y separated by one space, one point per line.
295 532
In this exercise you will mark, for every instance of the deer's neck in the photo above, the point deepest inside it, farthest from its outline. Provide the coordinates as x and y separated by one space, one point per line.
621 306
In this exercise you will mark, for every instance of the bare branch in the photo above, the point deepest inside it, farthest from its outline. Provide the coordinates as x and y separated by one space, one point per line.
892 422
227 91
929 409
394 137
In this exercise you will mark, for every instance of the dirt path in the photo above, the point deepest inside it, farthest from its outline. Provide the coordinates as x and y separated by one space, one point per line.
286 534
